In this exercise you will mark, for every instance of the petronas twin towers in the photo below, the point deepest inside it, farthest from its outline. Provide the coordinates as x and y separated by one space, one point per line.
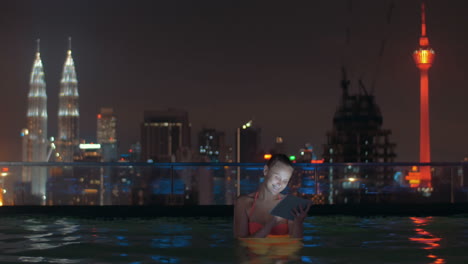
68 113
36 146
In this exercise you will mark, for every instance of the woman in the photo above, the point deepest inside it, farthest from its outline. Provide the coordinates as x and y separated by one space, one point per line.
252 216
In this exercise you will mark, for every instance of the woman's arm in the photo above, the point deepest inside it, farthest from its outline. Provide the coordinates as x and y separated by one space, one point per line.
296 226
241 221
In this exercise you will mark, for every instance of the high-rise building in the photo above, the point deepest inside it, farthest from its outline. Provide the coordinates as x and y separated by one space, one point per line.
248 140
35 133
107 134
163 134
211 144
68 112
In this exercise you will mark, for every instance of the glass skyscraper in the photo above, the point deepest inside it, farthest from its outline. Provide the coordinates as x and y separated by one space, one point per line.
68 112
35 134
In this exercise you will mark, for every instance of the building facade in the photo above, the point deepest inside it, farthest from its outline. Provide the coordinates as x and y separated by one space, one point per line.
164 134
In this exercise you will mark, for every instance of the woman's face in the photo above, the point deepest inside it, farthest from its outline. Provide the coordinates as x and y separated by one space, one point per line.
277 177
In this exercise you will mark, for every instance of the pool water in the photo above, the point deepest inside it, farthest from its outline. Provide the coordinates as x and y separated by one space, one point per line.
327 239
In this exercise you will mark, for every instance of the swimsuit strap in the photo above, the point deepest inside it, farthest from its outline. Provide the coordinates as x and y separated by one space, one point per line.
255 199
253 205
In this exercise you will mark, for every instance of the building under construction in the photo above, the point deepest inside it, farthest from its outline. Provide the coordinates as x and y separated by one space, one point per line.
357 136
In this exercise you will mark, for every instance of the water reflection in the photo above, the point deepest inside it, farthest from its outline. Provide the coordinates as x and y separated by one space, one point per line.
176 240
428 240
278 250
171 241
48 236
46 260
165 259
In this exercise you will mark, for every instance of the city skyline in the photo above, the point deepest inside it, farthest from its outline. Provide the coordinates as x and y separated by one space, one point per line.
225 65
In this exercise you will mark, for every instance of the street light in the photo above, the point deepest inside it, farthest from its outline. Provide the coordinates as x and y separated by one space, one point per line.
238 148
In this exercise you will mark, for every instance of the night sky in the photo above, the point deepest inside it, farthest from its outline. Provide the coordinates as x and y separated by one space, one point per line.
226 62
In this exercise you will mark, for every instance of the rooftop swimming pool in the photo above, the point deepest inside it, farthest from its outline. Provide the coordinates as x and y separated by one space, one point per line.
328 239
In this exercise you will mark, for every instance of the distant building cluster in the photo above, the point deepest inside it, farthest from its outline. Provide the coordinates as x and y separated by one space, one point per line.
149 171
165 137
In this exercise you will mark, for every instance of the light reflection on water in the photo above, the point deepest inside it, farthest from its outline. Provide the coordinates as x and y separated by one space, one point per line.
337 239
429 241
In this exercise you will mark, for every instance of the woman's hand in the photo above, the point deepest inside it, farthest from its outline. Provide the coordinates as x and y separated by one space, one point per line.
300 214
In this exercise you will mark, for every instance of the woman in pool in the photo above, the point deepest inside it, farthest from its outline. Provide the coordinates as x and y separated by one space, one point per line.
252 216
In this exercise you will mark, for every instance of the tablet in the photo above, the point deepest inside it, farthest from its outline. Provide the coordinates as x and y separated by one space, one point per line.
287 204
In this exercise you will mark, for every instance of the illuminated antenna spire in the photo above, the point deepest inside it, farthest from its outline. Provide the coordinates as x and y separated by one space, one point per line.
423 40
69 45
423 19
38 41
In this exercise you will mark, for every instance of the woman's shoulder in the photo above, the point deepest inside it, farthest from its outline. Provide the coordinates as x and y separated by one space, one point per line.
246 198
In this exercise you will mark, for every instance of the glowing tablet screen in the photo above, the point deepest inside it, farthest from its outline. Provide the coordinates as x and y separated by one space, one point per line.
287 204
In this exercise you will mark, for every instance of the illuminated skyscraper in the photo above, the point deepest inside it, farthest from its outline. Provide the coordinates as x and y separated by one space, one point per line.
423 57
35 134
68 113
106 134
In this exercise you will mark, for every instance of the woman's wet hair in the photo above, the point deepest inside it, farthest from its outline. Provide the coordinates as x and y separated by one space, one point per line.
279 158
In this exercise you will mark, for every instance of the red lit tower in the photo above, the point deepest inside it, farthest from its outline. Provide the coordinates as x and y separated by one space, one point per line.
423 57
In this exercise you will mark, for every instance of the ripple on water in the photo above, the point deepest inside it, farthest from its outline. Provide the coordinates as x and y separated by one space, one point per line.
339 239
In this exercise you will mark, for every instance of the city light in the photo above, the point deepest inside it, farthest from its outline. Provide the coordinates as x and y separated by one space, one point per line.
247 125
424 57
414 177
317 161
90 146
267 156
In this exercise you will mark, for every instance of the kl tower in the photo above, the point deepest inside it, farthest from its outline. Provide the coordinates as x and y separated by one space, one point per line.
423 57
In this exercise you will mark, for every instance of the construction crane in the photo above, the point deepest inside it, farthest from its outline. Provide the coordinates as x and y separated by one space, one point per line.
348 38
